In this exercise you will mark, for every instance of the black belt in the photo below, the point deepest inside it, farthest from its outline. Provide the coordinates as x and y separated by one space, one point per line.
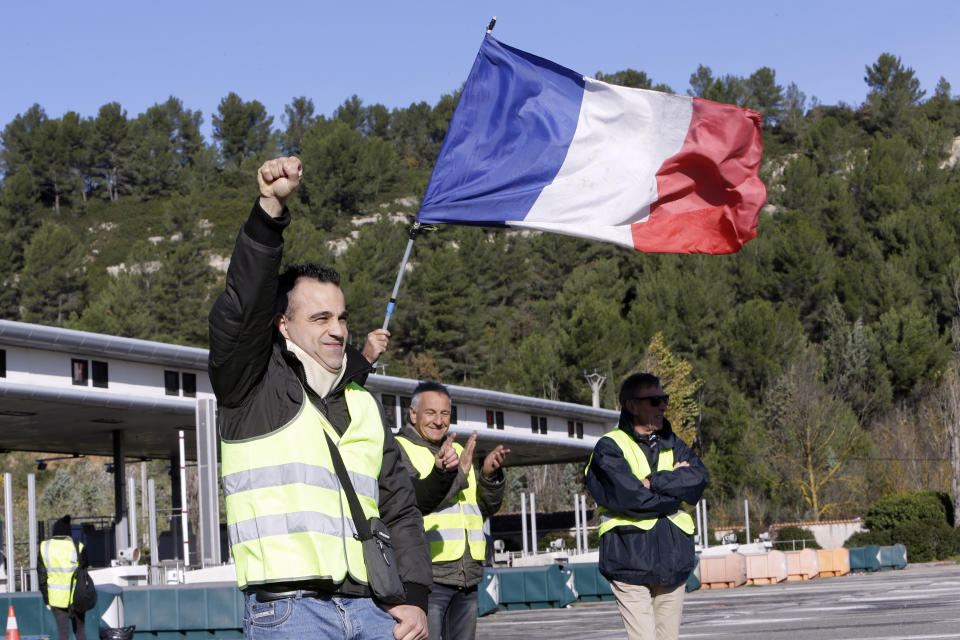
269 596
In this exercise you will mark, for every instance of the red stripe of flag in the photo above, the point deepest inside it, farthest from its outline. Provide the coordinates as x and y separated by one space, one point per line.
710 194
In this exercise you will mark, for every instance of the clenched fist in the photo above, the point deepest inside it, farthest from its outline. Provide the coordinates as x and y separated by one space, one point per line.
277 179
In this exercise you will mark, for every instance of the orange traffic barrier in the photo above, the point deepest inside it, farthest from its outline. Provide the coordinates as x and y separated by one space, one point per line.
833 562
766 568
13 633
721 572
802 564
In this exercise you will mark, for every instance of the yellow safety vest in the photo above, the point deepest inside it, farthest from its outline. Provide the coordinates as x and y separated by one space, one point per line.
60 558
637 460
449 529
287 516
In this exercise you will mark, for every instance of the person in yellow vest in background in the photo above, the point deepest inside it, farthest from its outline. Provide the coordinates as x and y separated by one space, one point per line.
59 559
640 474
454 498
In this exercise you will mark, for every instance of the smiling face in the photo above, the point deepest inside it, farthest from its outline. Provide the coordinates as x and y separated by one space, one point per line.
647 416
431 418
316 321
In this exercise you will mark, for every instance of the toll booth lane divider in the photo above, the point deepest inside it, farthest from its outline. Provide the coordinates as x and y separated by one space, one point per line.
34 619
215 609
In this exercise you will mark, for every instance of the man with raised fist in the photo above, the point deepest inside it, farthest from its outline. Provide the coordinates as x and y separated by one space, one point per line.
287 383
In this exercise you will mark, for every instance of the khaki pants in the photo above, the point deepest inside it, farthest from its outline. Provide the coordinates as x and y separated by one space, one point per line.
650 611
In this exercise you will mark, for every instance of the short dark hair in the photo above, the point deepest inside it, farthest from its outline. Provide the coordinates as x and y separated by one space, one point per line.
62 526
427 385
634 381
288 280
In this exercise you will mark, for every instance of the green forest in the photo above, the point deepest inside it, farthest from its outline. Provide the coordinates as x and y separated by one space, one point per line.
816 370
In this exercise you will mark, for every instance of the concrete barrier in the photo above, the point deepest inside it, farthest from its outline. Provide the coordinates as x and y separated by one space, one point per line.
534 587
766 568
693 580
589 584
722 572
833 562
213 609
488 592
865 558
35 619
893 557
802 564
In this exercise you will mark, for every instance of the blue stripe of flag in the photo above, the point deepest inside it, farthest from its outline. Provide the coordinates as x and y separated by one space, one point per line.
507 139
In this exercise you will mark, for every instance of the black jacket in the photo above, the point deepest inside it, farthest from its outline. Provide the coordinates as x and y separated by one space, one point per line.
664 554
439 490
257 382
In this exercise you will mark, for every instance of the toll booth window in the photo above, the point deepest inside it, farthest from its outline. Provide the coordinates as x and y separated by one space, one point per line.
389 403
404 409
453 414
3 363
580 430
189 385
570 430
490 420
171 382
80 371
499 419
101 378
538 424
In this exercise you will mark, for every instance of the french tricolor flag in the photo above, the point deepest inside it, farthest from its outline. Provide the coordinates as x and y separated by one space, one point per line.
536 145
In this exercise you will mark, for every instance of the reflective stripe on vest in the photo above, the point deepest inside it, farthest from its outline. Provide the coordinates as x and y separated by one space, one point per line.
448 530
287 518
640 467
60 558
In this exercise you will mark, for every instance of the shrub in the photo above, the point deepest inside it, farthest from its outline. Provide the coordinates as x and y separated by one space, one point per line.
786 534
864 538
926 541
922 521
892 511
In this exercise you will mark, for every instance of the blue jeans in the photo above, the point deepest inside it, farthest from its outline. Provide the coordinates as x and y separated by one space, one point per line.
321 618
452 613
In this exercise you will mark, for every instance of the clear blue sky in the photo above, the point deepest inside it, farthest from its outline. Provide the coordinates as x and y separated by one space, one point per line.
77 56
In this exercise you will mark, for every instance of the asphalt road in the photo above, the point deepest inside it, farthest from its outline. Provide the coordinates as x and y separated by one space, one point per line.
917 603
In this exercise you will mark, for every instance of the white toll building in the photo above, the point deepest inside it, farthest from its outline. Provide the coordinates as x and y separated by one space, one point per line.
72 393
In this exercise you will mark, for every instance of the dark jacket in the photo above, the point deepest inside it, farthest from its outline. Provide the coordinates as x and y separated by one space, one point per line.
82 563
664 554
466 571
258 381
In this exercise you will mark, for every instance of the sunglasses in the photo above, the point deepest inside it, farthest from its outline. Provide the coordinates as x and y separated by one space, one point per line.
655 401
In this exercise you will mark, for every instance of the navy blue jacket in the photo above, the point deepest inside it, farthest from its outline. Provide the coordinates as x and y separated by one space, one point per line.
664 554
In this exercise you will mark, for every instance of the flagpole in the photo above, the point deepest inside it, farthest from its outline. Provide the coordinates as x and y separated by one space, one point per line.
403 265
413 234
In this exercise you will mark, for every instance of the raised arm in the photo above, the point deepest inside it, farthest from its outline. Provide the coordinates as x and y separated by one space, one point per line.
241 318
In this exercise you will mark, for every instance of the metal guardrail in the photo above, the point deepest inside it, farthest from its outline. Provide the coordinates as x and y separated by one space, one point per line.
792 545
